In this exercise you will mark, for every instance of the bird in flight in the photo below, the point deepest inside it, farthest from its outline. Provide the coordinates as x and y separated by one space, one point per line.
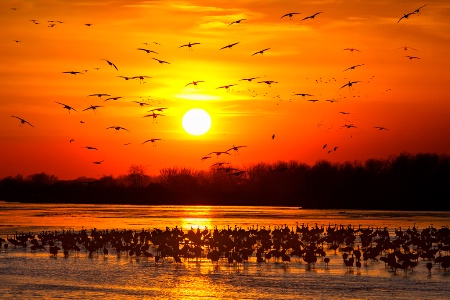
125 77
352 49
249 79
273 136
141 78
225 86
417 11
73 72
412 57
344 112
141 103
71 140
194 82
312 16
235 148
111 64
147 50
405 16
98 95
98 162
313 100
218 153
380 128
303 95
290 15
406 48
93 107
69 108
268 82
237 22
205 158
158 109
88 24
349 84
229 46
161 61
113 98
324 146
90 148
152 141
353 67
260 51
189 45
117 128
22 121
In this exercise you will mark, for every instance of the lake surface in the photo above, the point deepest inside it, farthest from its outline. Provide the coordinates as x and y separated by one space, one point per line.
27 274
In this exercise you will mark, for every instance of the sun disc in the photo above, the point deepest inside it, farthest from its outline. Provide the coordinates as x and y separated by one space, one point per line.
196 121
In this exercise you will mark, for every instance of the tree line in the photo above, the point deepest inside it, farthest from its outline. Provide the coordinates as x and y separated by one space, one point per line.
403 182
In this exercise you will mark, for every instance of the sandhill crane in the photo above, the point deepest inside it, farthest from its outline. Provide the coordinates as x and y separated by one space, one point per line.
113 98
98 162
22 121
141 104
88 24
110 63
141 78
406 48
249 79
117 128
225 86
260 51
99 95
344 112
229 46
69 108
312 16
125 77
161 61
218 153
380 128
353 67
303 95
158 109
147 50
417 11
237 22
290 15
189 45
268 82
194 82
235 148
205 158
349 84
153 141
352 49
93 107
412 57
90 148
72 72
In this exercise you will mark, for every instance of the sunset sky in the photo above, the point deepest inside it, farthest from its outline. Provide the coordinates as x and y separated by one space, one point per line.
410 97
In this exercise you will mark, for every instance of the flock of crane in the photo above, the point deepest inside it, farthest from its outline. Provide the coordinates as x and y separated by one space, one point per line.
157 112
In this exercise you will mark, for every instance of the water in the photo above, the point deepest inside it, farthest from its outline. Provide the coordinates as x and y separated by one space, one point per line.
38 275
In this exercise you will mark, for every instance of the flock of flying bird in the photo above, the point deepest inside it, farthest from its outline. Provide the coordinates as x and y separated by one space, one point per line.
156 112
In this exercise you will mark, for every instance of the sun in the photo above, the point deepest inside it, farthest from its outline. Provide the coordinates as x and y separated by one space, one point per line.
196 121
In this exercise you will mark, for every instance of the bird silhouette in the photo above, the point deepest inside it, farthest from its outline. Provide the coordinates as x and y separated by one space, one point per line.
194 82
268 82
260 51
93 107
125 77
417 11
189 45
161 61
147 50
349 84
229 46
113 98
153 141
117 128
141 78
111 64
72 72
312 16
352 49
406 48
237 22
98 162
235 148
380 128
141 103
22 121
99 95
218 153
69 108
225 86
353 67
412 57
249 79
90 148
290 15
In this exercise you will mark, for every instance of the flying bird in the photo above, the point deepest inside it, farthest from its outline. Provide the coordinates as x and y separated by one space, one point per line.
380 128
141 78
229 46
218 153
249 79
303 94
22 121
260 51
235 148
93 107
152 141
113 98
412 57
194 82
147 50
189 45
268 82
312 16
290 15
405 16
125 77
406 48
98 162
90 148
225 86
73 72
417 11
205 158
88 24
344 112
117 128
349 84
111 64
141 103
352 49
237 22
98 95
353 67
69 108
71 140
161 61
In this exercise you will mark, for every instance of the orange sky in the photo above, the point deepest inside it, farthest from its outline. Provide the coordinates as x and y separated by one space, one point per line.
410 97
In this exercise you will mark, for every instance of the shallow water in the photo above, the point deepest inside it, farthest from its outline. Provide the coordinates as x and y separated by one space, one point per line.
37 275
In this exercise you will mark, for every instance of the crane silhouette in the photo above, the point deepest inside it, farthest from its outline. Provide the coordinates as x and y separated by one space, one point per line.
260 51
147 50
290 15
93 107
153 141
69 108
249 79
352 49
99 95
161 61
98 162
237 22
312 16
22 121
229 46
189 45
194 82
349 84
353 67
90 148
111 64
225 86
117 128
72 72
